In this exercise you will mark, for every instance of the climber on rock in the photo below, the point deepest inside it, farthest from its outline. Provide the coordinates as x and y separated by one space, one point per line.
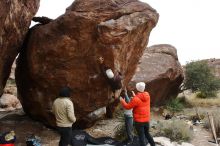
114 80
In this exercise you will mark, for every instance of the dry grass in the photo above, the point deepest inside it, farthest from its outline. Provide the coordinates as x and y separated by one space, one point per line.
217 124
176 130
216 116
193 100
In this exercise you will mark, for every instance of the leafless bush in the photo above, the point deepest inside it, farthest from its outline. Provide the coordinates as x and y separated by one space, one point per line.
216 117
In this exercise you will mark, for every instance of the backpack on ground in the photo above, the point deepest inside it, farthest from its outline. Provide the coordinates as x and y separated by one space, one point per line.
7 138
33 141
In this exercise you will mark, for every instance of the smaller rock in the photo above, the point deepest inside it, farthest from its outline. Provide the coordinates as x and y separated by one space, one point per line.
166 142
182 117
7 109
153 124
163 141
97 131
195 130
186 144
10 102
10 89
97 114
12 74
18 106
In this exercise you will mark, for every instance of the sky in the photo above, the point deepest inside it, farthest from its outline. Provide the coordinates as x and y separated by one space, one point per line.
191 26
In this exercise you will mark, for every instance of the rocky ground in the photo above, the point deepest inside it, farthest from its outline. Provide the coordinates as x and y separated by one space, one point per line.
24 127
202 136
16 120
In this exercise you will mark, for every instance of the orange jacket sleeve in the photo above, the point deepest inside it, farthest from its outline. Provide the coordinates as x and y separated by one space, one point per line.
129 105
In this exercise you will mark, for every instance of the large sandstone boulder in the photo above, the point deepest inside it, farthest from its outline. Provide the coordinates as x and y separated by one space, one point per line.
64 52
15 19
160 69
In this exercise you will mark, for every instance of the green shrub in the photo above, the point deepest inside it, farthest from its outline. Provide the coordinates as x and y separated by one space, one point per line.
206 94
176 130
201 95
175 105
199 77
11 82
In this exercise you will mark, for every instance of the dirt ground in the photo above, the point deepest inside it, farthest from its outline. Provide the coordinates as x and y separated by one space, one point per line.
202 136
24 127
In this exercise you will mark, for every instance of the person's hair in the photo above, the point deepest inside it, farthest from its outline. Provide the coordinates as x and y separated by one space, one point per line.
65 92
122 93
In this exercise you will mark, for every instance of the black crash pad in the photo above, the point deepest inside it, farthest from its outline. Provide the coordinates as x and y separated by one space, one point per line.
82 138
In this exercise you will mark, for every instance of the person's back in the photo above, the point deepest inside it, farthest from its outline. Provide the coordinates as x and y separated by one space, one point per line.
142 109
63 111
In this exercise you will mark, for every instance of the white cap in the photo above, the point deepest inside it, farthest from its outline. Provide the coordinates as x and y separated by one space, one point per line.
140 86
109 73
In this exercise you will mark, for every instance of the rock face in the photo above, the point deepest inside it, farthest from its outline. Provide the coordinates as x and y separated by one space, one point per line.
215 65
12 74
64 52
160 69
15 18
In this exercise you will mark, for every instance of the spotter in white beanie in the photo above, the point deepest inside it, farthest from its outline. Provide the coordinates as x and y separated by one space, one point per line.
109 73
140 86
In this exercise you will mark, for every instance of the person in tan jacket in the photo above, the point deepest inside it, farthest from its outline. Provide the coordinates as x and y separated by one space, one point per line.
63 110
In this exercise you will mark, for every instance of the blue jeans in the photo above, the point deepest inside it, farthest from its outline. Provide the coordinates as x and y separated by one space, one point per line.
66 136
129 127
143 131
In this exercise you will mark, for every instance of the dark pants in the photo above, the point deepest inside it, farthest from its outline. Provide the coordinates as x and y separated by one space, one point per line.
129 127
66 136
143 131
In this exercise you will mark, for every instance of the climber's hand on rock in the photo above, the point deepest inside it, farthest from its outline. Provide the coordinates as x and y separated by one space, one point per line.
101 60
133 94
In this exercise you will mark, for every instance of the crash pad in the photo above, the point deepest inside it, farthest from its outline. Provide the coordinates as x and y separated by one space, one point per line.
82 138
